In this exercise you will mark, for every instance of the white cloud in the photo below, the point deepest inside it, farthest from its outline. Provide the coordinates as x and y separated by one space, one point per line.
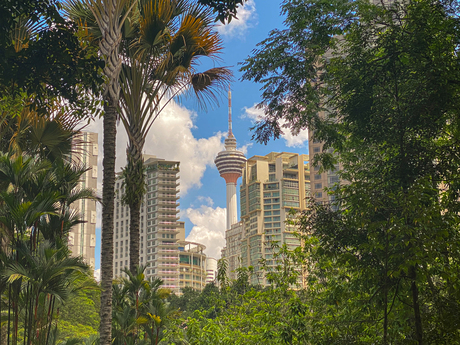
97 275
209 228
247 18
292 140
170 138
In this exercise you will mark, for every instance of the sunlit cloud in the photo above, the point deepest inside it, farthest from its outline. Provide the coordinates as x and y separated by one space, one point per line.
247 18
208 227
292 140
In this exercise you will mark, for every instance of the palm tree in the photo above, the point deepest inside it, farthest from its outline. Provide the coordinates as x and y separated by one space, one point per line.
108 17
35 198
161 56
43 277
139 308
49 136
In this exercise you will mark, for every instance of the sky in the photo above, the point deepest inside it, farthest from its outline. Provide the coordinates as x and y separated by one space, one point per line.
186 133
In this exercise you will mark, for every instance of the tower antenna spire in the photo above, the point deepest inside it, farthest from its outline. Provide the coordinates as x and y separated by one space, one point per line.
230 132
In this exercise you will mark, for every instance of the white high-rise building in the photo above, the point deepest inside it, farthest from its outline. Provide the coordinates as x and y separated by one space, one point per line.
211 270
232 250
230 164
159 226
82 237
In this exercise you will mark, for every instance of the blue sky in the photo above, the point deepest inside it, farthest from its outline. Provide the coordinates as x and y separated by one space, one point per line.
194 137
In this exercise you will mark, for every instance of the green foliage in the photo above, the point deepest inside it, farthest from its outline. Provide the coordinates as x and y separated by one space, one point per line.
380 85
79 317
37 272
69 330
225 10
41 55
139 312
209 301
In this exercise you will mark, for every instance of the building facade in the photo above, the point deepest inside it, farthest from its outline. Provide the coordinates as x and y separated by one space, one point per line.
159 226
320 180
82 237
192 265
211 270
272 186
232 250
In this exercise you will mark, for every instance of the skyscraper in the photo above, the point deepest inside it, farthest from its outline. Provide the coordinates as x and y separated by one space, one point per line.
159 247
272 186
230 164
326 179
82 237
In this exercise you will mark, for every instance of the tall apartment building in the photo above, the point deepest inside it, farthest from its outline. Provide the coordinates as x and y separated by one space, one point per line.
232 250
272 185
323 180
82 237
159 226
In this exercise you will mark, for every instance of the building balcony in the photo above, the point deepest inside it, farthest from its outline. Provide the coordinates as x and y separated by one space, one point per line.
168 182
168 223
167 196
167 265
166 203
168 251
168 209
167 230
170 245
167 216
165 188
170 176
167 272
168 258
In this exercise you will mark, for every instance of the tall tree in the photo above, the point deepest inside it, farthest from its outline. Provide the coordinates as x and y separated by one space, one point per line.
161 58
380 86
40 55
109 19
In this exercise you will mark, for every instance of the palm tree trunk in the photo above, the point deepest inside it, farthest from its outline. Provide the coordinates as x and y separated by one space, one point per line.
134 225
135 190
108 197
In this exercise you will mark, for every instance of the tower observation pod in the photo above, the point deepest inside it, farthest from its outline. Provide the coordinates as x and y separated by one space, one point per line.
230 165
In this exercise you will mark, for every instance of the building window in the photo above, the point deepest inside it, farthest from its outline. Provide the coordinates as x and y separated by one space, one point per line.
333 179
318 177
318 186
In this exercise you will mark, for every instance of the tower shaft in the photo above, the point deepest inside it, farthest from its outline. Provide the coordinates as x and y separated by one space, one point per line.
232 216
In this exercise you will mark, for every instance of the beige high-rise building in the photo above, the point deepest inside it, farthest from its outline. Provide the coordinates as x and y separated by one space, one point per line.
82 237
192 262
272 186
325 179
192 265
159 226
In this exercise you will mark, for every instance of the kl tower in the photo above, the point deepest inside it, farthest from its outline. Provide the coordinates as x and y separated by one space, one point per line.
230 165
